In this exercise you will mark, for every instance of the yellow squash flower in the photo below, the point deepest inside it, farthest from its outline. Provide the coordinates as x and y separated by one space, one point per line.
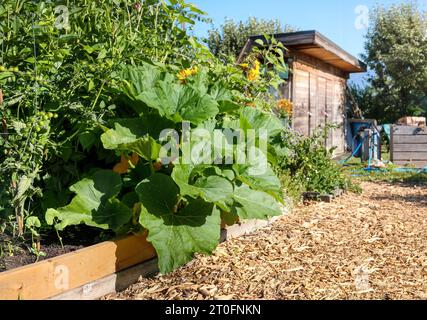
285 106
123 166
244 66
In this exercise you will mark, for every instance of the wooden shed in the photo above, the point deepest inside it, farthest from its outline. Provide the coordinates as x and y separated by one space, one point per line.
319 70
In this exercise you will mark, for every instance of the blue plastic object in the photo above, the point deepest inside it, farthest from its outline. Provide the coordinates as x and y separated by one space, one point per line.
356 127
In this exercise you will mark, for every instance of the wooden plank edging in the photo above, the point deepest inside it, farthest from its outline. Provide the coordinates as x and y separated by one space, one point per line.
122 280
66 272
99 270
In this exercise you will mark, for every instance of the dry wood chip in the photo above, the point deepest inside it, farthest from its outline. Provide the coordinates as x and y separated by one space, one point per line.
367 246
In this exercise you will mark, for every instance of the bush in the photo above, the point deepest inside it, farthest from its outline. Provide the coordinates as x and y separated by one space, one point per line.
306 165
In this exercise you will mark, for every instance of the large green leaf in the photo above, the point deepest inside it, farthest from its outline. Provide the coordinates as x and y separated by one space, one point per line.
139 79
129 137
181 175
176 233
211 188
150 123
214 188
180 103
255 204
94 204
267 181
252 118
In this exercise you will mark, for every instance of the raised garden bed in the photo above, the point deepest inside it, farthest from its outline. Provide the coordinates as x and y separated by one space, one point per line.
54 276
95 271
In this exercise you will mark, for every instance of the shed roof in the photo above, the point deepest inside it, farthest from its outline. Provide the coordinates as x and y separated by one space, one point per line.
313 43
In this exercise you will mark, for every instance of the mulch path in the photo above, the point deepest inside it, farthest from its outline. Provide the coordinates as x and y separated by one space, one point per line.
361 246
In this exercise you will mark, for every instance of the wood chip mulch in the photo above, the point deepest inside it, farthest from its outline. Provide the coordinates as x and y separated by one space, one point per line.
367 246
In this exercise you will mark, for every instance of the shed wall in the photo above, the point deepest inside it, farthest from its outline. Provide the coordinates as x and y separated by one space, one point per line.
319 99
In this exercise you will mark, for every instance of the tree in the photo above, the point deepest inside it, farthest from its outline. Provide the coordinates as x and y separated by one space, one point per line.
396 53
230 38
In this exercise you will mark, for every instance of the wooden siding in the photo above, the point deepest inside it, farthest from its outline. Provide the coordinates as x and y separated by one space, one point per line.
301 101
319 97
409 146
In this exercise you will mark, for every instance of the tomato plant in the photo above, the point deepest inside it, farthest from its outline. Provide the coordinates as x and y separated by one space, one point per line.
60 57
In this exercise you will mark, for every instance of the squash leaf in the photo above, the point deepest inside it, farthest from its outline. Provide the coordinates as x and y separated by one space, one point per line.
255 204
211 188
95 204
180 103
195 228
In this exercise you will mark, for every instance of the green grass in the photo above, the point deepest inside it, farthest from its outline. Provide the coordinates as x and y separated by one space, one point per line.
355 169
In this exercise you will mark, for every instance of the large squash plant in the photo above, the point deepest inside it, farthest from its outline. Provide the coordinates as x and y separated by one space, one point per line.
179 204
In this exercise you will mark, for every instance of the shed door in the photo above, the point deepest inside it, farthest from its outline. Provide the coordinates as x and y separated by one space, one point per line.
301 121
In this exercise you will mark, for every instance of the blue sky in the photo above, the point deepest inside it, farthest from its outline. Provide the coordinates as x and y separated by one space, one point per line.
340 20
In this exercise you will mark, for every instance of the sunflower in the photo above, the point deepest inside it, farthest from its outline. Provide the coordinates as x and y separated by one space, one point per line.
254 73
184 74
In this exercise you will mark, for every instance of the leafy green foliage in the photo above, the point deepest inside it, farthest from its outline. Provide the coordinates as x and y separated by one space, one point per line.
231 37
66 63
95 204
396 52
254 204
194 182
179 204
306 165
177 229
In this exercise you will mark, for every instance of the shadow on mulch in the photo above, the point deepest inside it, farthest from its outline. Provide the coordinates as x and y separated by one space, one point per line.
419 201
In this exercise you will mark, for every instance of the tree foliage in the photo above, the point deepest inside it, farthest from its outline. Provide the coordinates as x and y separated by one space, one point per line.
230 38
396 53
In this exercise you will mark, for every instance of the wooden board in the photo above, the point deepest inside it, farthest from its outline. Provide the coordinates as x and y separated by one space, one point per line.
417 139
301 101
409 156
339 116
55 276
329 111
111 284
321 101
416 164
409 130
409 145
